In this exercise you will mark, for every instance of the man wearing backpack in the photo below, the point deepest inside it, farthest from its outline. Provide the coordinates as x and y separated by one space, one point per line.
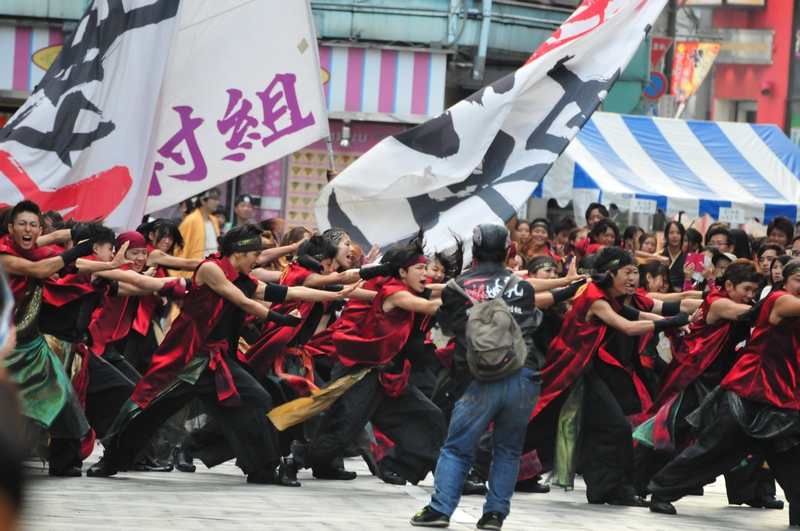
496 367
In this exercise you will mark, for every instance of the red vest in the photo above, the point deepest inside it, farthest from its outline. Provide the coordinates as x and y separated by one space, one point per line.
276 338
380 335
767 370
202 310
352 314
693 353
576 344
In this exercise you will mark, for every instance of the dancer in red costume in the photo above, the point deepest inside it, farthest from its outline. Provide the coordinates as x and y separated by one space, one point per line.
383 395
756 408
574 388
48 399
197 359
700 361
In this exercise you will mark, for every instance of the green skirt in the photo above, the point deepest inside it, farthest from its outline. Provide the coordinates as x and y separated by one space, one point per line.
45 393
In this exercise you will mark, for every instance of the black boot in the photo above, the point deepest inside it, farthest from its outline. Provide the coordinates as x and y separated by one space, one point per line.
390 476
657 505
183 462
102 469
532 485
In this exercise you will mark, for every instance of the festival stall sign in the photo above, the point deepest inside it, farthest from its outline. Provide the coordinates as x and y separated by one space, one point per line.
163 97
481 159
691 65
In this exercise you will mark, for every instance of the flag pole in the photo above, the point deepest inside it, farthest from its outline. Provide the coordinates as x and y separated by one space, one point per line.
332 168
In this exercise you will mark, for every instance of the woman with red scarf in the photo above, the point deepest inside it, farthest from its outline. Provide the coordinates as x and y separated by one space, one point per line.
756 408
383 396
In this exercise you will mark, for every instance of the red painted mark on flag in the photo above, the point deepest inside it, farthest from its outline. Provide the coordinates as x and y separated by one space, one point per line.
590 15
93 198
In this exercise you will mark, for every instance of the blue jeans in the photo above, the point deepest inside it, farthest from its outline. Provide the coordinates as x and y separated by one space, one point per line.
508 403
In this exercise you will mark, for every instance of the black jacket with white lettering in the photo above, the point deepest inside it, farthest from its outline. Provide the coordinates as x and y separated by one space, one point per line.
482 283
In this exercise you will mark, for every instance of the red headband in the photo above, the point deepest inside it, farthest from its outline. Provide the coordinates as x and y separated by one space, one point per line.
419 259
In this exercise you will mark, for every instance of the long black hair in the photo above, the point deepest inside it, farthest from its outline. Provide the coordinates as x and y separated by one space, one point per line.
160 228
655 268
453 262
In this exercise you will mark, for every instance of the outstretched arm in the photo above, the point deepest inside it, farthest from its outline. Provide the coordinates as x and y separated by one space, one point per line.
210 274
160 258
411 303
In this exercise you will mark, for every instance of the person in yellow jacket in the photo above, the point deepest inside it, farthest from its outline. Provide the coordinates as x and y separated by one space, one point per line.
200 230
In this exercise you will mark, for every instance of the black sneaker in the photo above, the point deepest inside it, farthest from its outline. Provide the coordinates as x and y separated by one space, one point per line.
429 517
474 488
390 476
492 520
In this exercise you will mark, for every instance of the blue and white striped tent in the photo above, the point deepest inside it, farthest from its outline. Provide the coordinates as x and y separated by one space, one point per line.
749 171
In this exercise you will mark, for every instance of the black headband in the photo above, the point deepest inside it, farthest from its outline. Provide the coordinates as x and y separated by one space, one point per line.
541 263
790 270
541 224
246 245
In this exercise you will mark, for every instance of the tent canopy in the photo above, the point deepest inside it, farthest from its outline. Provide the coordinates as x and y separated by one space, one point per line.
730 171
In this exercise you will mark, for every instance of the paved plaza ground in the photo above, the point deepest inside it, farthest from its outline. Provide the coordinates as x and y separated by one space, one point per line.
221 499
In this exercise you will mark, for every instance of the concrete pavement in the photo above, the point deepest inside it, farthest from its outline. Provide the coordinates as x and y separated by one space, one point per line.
221 499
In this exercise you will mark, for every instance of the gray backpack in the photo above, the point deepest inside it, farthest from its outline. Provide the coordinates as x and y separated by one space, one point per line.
495 346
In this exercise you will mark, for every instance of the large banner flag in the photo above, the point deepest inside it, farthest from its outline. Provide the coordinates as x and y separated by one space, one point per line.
481 159
80 144
244 90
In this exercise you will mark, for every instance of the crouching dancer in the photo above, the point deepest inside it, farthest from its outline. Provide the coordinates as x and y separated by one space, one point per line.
754 408
198 359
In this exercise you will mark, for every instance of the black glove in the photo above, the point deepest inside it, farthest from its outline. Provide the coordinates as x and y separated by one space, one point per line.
368 273
310 263
188 283
681 319
79 250
283 320
564 294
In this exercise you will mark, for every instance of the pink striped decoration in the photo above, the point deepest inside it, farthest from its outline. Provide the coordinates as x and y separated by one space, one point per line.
355 79
402 82
56 37
22 58
388 81
419 91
